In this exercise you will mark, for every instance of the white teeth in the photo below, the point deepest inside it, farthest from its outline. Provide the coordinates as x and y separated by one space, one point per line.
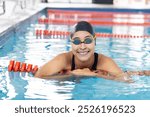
83 53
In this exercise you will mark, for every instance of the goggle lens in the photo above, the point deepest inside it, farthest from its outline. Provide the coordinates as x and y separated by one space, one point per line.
77 41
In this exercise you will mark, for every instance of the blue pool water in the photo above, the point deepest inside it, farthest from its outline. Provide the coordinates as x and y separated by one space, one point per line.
23 45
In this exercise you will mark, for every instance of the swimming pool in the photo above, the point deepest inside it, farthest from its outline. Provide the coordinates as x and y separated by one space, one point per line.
22 44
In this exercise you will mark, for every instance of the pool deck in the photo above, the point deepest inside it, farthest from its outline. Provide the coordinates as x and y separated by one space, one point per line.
15 14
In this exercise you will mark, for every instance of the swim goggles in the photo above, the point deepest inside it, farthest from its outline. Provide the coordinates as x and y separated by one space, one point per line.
87 40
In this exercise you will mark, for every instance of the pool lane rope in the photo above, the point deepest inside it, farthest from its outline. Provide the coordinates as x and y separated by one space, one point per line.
96 14
17 66
105 16
93 22
53 33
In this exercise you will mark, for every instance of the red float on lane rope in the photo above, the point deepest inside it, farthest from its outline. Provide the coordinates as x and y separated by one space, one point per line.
35 69
21 67
58 34
11 65
17 67
29 68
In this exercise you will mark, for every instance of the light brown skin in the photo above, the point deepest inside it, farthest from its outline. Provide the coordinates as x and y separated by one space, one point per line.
139 73
84 58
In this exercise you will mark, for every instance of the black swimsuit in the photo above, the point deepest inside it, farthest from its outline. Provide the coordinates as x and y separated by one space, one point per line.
94 66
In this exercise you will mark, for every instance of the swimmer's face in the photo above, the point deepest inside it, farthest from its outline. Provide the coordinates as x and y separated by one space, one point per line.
82 47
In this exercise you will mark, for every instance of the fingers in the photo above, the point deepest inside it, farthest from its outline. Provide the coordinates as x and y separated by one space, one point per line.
83 72
140 73
102 72
75 72
147 73
134 73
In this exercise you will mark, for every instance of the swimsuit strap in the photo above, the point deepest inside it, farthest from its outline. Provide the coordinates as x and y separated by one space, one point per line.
94 66
73 64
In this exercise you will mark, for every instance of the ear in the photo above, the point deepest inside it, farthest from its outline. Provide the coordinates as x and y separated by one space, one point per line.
95 38
95 41
71 35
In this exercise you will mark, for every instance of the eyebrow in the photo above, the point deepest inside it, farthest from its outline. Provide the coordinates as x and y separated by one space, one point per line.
88 36
85 36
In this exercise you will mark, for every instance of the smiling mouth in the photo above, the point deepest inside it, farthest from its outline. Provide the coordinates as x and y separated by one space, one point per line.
83 53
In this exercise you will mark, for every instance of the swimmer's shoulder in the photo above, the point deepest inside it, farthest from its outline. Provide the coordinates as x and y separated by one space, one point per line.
103 61
102 58
66 57
108 64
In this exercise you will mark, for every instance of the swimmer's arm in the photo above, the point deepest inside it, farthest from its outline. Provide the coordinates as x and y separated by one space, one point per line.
140 73
52 67
114 71
88 72
101 74
123 77
57 76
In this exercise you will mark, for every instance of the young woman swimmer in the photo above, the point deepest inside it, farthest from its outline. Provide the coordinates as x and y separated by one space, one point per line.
82 60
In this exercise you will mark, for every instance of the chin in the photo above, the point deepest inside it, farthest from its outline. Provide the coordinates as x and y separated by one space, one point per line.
83 57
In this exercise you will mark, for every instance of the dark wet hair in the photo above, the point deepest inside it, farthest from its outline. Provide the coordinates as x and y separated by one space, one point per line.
82 26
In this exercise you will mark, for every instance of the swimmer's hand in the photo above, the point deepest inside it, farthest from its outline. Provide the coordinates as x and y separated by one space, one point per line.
83 72
123 77
139 73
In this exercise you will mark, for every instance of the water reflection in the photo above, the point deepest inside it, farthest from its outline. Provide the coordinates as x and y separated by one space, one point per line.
130 54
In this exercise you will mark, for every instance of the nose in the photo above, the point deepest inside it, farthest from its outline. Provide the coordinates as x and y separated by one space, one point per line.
82 46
